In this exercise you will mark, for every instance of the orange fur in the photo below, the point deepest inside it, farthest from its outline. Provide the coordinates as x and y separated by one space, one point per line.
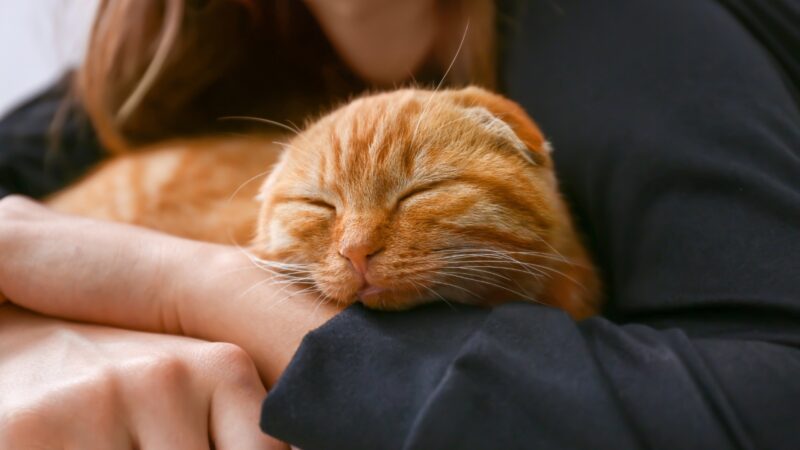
394 199
201 189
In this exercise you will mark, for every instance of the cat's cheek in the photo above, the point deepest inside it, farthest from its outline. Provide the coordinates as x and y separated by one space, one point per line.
298 229
337 281
279 240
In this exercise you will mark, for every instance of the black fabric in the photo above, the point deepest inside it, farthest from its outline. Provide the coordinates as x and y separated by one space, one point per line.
677 137
45 143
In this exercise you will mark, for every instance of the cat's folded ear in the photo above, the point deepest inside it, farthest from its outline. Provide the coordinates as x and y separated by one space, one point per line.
511 114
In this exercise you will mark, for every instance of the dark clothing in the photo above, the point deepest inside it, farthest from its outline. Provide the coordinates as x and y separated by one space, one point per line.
45 144
677 140
677 134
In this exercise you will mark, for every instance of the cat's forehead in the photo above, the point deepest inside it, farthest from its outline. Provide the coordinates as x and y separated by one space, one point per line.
380 144
411 120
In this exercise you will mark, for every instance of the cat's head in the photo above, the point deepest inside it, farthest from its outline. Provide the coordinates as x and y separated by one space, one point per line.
411 196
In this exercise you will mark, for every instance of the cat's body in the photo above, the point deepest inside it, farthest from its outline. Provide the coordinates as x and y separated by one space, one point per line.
394 200
202 189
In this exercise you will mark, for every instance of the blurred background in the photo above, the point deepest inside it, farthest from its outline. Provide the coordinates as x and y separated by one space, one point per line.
39 40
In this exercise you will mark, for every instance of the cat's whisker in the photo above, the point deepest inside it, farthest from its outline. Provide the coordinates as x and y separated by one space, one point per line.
293 130
322 300
465 277
558 272
236 270
488 273
281 271
540 269
472 251
456 251
433 291
502 256
294 125
505 288
441 82
444 283
286 298
486 259
279 264
256 285
489 283
508 267
416 287
248 181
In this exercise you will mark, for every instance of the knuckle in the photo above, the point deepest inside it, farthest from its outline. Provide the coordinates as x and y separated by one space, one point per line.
95 392
163 372
15 207
233 362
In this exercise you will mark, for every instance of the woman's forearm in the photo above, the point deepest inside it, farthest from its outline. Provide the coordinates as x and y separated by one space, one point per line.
130 277
233 301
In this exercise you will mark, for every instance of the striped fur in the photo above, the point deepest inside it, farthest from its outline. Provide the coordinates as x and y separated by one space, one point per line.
451 195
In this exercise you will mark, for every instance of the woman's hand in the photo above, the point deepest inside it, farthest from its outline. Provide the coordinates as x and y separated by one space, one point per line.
65 385
130 277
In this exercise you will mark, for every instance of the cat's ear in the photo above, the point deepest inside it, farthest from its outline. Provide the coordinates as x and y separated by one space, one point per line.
502 115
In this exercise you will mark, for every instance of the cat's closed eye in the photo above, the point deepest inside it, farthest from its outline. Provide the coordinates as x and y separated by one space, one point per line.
411 193
317 202
417 190
320 203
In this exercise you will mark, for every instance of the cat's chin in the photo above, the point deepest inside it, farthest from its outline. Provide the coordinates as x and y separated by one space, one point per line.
386 299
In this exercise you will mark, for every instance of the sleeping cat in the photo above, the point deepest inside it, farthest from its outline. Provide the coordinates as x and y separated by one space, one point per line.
392 200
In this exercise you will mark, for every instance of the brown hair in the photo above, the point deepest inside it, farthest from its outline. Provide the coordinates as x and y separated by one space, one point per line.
157 69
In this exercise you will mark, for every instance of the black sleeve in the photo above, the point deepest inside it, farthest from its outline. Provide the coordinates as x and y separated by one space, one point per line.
525 376
677 138
46 143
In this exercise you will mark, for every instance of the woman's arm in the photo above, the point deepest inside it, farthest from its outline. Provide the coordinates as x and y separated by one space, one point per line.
130 277
431 378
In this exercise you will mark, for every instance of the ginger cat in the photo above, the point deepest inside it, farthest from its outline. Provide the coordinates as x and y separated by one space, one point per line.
393 200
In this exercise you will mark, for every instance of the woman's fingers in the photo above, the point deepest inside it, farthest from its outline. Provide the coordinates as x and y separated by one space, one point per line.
66 385
234 421
171 411
236 403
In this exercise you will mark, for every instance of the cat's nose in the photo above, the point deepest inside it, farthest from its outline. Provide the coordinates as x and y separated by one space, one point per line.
359 255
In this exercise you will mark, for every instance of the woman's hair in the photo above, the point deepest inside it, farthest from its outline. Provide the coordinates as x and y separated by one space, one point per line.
157 69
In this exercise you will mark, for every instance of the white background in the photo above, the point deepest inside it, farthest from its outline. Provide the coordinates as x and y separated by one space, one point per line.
39 40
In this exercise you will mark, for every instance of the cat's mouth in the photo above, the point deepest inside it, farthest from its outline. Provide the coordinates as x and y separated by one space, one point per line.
369 291
385 298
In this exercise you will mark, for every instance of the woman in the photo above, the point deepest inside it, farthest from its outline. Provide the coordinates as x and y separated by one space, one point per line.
677 137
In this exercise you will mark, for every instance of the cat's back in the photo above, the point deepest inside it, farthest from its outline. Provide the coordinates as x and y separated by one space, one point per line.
200 188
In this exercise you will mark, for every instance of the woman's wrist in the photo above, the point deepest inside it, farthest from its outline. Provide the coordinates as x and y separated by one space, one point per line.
130 277
231 300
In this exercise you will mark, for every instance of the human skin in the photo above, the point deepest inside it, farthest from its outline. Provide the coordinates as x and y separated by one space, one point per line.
134 278
67 385
129 277
382 41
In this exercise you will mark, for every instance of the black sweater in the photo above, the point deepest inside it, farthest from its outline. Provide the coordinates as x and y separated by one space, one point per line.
677 134
677 141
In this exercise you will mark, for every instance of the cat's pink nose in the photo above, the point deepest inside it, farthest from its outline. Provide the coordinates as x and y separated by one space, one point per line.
359 255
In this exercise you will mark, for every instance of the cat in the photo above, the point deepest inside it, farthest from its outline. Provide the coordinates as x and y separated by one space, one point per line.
394 199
